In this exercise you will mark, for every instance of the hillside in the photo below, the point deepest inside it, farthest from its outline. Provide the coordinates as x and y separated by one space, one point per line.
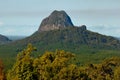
74 39
70 37
4 39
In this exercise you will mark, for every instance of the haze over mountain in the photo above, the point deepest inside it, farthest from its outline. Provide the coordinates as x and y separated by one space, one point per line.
14 38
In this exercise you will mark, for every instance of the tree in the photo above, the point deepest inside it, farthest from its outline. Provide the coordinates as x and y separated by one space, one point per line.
117 73
2 75
23 68
57 66
50 63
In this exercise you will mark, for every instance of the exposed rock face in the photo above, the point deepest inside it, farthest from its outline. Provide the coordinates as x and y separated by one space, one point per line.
57 20
4 39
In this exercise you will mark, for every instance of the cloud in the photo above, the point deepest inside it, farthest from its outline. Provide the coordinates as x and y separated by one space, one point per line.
106 30
24 13
85 12
91 17
8 31
18 30
97 12
1 23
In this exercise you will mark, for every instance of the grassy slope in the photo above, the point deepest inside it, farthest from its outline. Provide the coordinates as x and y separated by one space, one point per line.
89 47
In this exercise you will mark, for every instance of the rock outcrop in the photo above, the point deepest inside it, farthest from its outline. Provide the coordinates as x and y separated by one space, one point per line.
57 20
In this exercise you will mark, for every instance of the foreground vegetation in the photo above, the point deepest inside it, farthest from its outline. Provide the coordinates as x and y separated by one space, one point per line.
58 65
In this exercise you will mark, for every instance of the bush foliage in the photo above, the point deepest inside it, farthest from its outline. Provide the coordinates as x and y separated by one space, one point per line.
58 66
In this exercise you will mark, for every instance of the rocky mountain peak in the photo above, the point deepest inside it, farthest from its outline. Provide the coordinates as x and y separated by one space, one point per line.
56 20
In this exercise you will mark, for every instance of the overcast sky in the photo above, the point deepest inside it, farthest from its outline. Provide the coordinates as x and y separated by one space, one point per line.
23 17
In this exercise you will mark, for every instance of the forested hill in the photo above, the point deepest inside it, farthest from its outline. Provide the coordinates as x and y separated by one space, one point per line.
71 39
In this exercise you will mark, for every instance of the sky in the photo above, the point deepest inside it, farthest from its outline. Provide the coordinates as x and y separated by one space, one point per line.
23 17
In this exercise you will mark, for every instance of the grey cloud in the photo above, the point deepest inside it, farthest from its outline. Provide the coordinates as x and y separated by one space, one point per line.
1 23
23 13
89 13
107 30
97 12
93 17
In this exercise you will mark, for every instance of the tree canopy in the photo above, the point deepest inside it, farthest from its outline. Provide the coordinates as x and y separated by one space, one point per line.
57 66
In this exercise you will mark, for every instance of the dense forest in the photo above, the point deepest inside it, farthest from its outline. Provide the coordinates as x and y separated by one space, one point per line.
58 65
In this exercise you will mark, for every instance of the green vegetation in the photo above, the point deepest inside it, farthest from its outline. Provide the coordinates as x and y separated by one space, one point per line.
53 58
84 55
89 48
74 39
2 75
58 65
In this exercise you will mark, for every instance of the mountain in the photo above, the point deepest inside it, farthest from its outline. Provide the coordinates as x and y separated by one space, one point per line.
57 20
71 39
14 38
68 37
4 39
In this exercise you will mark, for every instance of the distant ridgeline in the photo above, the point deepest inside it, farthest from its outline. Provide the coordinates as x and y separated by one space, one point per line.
58 32
4 39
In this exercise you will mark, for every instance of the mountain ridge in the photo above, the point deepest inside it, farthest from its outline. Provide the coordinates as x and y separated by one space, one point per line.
70 38
4 39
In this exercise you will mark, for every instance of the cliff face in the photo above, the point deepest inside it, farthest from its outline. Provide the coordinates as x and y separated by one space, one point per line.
56 20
